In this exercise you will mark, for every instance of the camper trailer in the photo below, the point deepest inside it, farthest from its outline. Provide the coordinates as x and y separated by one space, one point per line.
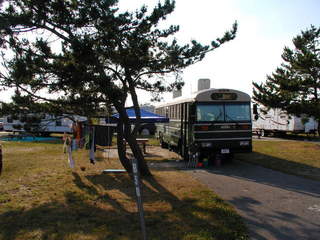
277 122
42 124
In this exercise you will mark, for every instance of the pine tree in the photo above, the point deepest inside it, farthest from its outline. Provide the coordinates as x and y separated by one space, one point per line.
104 57
295 86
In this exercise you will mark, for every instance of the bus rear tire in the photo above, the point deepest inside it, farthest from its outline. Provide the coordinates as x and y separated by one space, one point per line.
228 158
163 144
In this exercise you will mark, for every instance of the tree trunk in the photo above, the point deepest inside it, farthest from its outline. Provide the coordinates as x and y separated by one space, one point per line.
137 153
132 137
122 148
124 133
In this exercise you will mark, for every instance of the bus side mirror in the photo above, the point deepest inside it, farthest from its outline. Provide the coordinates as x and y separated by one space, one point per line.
255 109
256 117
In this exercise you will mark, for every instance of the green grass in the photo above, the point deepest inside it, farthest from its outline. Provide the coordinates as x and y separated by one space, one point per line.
293 157
42 198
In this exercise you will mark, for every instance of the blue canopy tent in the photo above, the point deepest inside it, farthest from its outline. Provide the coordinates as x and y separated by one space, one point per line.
146 117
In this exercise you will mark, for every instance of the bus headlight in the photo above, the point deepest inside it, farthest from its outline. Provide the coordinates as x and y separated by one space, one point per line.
244 143
206 144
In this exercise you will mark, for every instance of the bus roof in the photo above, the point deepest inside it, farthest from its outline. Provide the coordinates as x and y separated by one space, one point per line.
205 96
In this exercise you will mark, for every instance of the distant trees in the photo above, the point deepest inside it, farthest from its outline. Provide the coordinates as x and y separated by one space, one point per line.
148 107
295 86
86 54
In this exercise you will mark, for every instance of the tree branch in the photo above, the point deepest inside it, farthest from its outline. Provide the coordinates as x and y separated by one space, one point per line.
34 95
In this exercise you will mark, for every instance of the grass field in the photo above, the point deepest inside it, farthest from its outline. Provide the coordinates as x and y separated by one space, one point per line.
42 198
293 157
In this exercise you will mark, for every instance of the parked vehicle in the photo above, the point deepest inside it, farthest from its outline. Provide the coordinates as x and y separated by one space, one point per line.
211 122
277 122
42 124
147 129
1 124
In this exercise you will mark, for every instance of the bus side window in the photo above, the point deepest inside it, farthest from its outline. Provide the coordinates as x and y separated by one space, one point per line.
187 112
172 111
198 114
175 111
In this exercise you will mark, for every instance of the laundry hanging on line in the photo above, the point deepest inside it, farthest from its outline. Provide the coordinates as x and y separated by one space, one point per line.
70 158
67 148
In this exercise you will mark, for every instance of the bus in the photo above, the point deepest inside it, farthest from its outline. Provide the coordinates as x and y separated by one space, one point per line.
211 123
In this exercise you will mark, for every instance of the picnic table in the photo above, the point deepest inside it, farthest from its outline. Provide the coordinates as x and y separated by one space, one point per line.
140 141
144 142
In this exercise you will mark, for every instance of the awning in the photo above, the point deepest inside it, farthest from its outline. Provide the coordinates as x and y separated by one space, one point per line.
146 117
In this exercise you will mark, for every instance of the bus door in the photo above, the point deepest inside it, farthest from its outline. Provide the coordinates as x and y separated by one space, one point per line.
184 129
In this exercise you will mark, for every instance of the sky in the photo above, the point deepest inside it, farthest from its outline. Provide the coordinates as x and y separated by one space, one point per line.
265 27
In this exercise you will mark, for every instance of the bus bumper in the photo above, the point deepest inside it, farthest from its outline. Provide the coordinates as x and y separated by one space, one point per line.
225 147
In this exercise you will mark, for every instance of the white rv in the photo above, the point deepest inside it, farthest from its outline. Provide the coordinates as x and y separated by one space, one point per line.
41 123
276 121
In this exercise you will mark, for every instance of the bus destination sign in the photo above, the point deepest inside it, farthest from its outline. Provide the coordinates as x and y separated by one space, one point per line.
223 96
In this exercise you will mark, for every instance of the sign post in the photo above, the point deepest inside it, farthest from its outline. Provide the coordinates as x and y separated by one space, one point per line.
137 184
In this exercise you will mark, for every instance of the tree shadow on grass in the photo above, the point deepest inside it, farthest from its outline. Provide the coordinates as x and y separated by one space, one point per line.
103 207
74 219
170 217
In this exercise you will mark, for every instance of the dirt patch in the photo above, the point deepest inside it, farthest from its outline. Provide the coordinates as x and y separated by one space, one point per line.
158 153
154 153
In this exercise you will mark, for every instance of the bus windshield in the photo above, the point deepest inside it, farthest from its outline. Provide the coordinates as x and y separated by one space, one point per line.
223 112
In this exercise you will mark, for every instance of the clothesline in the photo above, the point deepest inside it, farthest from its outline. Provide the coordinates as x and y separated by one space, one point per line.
72 144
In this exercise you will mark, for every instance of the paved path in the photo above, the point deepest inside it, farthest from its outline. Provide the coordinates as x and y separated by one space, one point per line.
274 205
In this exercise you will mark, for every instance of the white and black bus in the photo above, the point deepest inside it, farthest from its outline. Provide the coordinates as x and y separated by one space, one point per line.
213 122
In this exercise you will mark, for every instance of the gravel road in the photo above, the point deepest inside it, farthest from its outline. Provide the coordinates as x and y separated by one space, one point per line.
274 205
